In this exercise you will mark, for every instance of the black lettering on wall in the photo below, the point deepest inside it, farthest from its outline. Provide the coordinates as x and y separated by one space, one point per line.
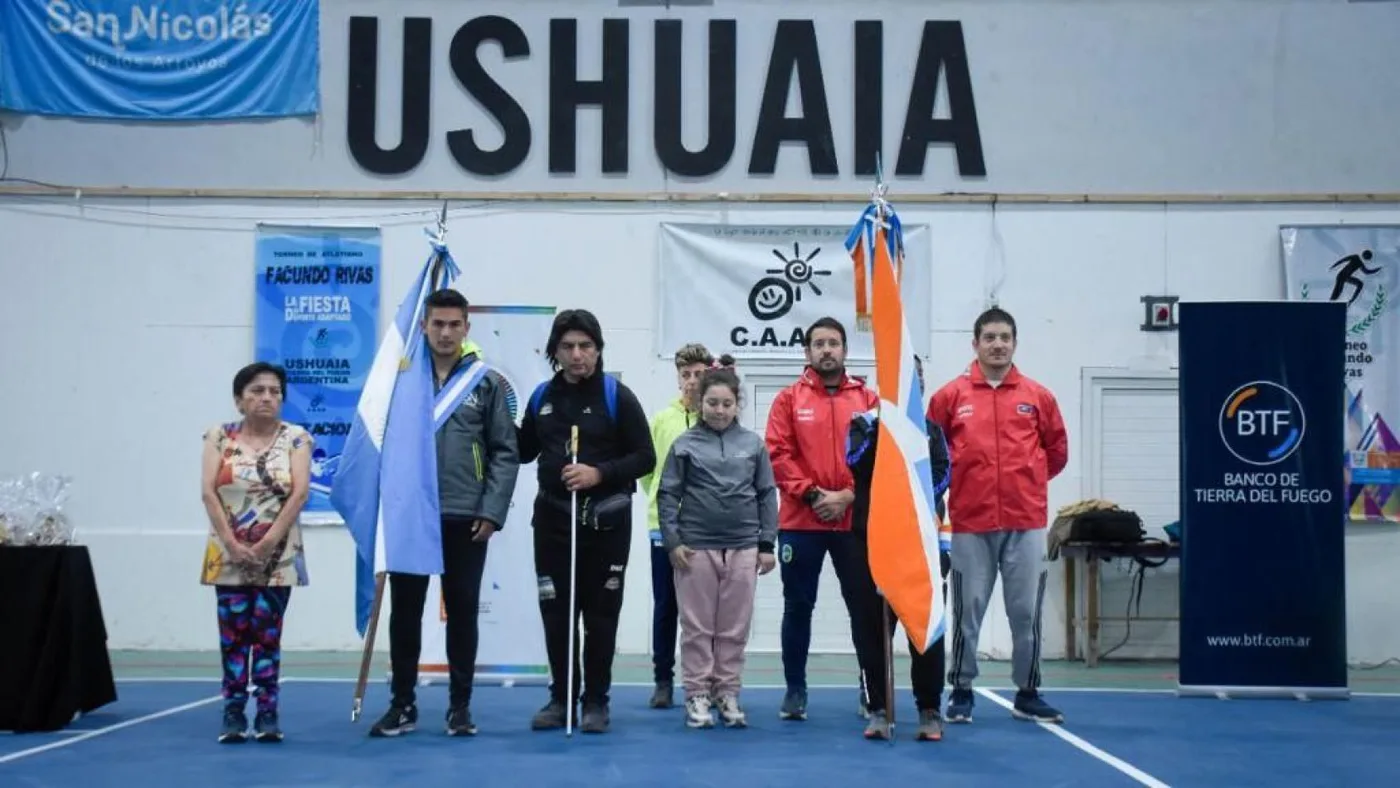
514 123
362 96
869 84
794 50
567 93
942 50
667 125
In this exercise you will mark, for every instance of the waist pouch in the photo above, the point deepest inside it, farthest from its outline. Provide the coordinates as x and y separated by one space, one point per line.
602 514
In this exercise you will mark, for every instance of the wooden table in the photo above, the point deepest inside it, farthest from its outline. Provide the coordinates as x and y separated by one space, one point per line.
1092 554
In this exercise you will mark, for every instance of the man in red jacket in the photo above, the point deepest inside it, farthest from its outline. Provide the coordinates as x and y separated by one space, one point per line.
807 427
1006 440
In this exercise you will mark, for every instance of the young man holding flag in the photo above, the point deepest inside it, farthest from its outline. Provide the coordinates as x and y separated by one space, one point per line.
926 669
477 464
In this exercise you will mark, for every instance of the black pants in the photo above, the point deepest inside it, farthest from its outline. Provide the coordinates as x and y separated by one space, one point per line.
463 562
926 671
665 616
601 568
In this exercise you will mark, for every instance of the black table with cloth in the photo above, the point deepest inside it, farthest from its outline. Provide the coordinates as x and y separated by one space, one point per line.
54 660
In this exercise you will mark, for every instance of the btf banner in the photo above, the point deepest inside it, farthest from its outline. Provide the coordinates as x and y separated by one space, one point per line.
1263 605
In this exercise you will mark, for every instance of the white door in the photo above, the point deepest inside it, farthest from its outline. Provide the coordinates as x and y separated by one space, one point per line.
831 626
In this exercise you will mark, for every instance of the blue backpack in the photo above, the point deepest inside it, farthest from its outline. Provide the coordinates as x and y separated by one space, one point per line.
609 395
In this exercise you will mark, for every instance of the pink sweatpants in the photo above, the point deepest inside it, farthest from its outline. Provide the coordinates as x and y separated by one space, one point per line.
715 596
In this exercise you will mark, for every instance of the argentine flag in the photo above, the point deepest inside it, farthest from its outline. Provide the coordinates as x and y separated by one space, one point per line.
386 485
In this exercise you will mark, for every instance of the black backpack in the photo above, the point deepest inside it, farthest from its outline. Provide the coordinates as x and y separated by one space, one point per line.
1115 526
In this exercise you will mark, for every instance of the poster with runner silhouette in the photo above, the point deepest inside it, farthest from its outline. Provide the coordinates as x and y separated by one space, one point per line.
1359 265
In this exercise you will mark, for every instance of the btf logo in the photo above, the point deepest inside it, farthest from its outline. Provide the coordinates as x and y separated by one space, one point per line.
1262 423
775 294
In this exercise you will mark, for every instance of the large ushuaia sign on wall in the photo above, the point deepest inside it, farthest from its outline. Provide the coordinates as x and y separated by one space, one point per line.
544 98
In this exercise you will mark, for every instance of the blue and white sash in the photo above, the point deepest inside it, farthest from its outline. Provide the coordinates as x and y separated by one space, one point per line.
458 388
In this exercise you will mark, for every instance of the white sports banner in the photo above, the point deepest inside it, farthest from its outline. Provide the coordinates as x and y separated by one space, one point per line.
511 646
752 290
1359 265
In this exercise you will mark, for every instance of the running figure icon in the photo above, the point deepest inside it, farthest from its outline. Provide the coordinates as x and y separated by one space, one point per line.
1347 276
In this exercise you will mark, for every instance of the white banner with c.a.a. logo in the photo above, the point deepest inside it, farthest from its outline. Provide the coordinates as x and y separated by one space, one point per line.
511 645
752 290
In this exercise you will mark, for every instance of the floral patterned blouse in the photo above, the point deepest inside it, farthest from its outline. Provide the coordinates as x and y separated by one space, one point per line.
253 487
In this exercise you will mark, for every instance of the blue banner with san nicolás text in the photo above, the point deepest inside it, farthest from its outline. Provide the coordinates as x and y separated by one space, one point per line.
167 60
318 316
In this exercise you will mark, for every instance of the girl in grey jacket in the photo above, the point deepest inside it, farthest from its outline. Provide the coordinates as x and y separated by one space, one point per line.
718 509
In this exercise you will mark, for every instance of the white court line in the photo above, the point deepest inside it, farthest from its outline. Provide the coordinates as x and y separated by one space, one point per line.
14 756
1082 745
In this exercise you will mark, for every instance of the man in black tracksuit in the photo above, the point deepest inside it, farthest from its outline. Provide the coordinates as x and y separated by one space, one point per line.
476 471
926 671
614 451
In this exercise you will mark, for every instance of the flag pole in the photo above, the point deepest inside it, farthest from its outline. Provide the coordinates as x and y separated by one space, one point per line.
877 198
441 266
368 655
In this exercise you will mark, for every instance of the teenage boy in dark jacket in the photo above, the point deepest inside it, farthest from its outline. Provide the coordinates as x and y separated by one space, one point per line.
926 671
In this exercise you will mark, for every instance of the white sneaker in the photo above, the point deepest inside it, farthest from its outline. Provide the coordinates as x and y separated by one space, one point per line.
697 712
731 713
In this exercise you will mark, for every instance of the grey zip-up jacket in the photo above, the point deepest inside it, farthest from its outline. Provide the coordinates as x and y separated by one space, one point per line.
477 457
717 491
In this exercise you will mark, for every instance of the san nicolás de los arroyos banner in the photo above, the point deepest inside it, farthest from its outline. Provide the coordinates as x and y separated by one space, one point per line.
1359 265
171 60
318 315
753 290
1263 554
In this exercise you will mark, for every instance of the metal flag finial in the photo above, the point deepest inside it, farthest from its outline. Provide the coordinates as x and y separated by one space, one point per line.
880 189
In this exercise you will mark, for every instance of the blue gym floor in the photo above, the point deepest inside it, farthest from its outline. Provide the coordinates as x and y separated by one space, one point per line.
163 733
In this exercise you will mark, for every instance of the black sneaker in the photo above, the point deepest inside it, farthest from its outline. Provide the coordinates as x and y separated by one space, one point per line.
235 727
266 729
960 706
398 720
459 722
596 718
550 717
663 697
794 705
1030 706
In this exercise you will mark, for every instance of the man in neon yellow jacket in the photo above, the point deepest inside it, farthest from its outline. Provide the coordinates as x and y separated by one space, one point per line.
691 362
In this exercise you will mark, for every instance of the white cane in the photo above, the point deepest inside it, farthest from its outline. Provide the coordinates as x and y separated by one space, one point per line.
573 586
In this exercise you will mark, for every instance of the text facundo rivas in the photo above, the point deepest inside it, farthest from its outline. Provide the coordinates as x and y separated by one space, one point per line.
942 52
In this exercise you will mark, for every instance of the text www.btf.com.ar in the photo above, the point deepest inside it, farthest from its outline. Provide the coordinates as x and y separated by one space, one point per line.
1258 641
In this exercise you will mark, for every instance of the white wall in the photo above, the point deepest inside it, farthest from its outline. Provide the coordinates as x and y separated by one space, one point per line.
125 319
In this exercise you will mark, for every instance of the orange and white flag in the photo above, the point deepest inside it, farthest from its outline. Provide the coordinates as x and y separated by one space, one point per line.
903 529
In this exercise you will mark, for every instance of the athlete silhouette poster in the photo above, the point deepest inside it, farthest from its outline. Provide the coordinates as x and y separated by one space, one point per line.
1359 265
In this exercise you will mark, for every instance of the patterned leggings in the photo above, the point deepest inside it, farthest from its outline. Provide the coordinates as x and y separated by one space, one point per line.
250 623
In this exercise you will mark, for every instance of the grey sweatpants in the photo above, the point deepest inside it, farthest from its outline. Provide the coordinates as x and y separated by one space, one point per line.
1020 558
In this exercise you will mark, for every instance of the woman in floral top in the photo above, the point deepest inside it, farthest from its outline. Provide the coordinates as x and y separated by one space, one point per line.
255 482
